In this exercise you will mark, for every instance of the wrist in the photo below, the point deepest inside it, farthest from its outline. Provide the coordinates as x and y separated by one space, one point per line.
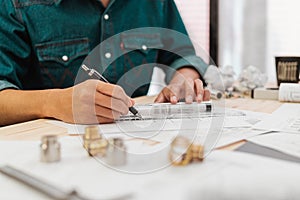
183 74
51 103
189 71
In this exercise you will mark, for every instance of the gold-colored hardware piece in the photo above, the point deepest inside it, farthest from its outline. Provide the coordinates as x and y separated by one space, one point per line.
93 142
184 152
181 151
198 152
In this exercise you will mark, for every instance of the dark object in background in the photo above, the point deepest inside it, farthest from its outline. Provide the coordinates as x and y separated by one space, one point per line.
287 69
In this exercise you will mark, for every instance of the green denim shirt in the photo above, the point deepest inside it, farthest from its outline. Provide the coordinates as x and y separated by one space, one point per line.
44 42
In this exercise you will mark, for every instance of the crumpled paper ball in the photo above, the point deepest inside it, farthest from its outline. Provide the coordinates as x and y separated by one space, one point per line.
219 78
251 77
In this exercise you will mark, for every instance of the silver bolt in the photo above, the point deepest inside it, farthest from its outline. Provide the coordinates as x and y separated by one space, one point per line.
116 154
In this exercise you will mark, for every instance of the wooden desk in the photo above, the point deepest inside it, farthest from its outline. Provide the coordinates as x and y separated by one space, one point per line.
34 130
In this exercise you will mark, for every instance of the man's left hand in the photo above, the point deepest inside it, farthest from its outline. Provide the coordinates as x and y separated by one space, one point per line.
186 84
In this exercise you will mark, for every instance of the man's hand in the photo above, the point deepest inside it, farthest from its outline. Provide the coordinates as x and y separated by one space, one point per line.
184 85
90 102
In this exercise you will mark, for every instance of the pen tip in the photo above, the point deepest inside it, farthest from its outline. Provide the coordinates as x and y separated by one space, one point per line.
139 115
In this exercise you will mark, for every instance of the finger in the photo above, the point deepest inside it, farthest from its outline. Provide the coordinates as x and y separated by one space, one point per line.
160 98
114 91
189 90
103 120
172 93
111 103
132 102
206 96
107 113
168 94
84 114
199 90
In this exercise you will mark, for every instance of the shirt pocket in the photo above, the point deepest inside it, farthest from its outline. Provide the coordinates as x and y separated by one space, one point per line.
140 48
59 61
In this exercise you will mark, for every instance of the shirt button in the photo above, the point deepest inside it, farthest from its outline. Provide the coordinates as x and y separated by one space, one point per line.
144 47
65 58
106 16
108 55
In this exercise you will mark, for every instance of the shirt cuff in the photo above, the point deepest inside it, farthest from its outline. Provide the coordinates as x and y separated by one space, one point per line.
7 85
191 61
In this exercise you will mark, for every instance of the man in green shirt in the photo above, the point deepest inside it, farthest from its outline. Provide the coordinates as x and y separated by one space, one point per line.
44 42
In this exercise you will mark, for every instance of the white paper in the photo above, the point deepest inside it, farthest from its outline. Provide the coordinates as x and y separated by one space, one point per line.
248 177
234 126
232 135
235 175
165 117
286 143
285 119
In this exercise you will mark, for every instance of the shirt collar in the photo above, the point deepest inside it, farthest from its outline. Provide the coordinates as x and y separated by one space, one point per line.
57 2
109 4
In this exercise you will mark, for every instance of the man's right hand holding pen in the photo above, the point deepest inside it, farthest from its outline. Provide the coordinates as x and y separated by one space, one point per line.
96 101
90 102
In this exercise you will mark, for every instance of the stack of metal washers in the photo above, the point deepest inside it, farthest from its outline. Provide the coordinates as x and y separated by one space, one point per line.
93 142
113 149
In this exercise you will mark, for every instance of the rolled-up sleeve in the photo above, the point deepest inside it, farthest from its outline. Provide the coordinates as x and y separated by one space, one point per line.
7 85
14 48
191 60
180 50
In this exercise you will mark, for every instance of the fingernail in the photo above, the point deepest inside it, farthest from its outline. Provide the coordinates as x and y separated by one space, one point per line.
200 97
189 99
174 99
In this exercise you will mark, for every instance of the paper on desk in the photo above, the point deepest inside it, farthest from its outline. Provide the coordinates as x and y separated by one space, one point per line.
248 177
234 127
229 119
226 137
76 170
233 135
235 175
124 127
285 119
285 143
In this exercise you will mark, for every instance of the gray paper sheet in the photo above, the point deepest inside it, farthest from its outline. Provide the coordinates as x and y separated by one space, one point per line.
253 148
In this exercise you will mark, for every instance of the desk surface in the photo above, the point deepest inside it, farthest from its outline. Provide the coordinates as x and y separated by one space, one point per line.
34 130
222 170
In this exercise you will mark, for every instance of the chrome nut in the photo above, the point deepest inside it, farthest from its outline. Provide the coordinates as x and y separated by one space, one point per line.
50 149
116 154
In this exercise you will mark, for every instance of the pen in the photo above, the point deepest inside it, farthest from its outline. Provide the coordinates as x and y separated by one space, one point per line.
95 74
